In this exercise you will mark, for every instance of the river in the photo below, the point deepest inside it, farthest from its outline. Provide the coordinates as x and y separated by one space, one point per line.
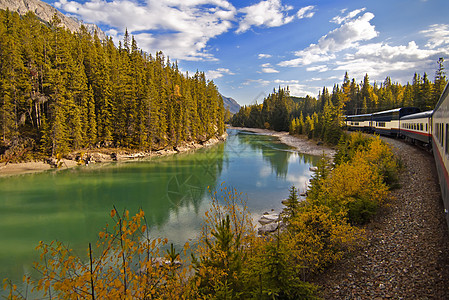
73 205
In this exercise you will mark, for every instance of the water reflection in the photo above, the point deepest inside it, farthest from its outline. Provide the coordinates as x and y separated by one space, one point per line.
72 205
277 154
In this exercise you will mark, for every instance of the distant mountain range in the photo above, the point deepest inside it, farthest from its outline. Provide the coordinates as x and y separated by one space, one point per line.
45 12
230 103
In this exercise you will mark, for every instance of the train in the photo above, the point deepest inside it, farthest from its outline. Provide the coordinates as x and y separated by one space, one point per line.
429 129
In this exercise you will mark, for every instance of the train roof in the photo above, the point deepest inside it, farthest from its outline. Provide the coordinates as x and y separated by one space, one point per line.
356 116
424 114
394 110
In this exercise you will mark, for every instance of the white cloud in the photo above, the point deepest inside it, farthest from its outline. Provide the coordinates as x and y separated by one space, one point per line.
259 82
306 12
268 68
186 25
297 89
379 59
344 37
320 68
286 82
351 15
438 35
261 55
220 72
314 79
384 52
269 13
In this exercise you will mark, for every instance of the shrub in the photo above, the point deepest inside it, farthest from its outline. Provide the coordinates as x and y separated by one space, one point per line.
318 237
350 187
129 267
227 236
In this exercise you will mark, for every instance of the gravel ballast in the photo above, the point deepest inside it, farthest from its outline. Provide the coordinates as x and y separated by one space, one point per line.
406 255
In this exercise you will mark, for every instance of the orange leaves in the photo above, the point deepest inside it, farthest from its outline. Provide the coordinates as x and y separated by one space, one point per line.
126 267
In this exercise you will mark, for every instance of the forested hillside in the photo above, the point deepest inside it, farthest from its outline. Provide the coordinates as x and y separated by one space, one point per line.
63 91
321 118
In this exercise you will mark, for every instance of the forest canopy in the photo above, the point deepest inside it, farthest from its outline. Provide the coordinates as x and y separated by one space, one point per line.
63 91
321 118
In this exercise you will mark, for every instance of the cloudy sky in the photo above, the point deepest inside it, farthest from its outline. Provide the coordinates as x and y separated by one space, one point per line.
248 47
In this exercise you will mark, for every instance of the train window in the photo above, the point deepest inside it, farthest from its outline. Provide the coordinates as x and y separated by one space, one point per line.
421 127
426 128
447 138
436 131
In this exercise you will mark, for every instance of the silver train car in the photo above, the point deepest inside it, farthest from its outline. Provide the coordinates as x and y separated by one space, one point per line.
440 145
359 122
417 128
388 122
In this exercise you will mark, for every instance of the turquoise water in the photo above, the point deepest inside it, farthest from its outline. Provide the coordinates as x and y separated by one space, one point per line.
73 205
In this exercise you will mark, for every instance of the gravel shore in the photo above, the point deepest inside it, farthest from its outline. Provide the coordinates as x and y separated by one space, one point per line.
101 156
407 252
301 143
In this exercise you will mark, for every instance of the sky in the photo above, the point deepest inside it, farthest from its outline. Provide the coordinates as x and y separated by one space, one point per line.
250 47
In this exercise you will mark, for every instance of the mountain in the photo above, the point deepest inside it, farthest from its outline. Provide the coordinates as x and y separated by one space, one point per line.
230 103
45 12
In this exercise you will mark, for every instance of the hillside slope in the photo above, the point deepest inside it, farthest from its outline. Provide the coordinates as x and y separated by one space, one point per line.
230 103
45 12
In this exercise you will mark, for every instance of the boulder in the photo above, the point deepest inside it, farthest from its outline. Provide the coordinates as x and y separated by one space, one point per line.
268 218
268 228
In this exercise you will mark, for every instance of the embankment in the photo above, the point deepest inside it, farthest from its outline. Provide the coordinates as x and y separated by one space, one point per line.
101 156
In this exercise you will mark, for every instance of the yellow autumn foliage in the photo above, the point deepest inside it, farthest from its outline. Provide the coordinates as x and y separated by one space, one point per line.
129 266
227 236
359 183
317 237
229 261
352 181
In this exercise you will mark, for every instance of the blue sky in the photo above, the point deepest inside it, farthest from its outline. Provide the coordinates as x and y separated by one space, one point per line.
250 47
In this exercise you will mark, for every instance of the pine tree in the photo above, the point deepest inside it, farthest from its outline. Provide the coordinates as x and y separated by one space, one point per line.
71 90
440 81
292 204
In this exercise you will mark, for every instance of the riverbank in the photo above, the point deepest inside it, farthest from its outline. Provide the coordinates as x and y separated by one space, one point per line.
100 156
300 142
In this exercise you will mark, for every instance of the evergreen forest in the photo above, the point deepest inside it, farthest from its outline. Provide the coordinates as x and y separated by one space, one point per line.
321 118
62 91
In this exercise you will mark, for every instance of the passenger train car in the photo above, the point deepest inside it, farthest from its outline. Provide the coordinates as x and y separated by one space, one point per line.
440 145
387 122
418 127
429 128
359 122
